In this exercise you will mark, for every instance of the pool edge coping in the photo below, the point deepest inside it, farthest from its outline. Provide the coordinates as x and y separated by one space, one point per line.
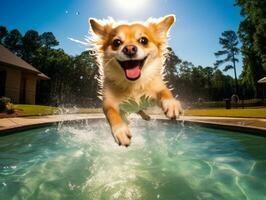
22 127
245 129
254 130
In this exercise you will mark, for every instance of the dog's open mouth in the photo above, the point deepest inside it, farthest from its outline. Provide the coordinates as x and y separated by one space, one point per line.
132 68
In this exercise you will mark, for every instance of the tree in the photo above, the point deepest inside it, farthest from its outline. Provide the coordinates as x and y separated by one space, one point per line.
221 85
199 83
3 33
252 33
208 74
48 40
31 44
13 41
85 74
170 70
184 80
229 42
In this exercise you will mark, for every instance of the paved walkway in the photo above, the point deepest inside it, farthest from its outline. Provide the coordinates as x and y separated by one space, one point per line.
20 123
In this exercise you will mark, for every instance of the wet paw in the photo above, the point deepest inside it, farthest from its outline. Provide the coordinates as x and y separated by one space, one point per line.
172 108
122 134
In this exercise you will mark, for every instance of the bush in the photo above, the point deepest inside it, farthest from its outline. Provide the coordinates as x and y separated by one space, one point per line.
6 105
10 108
3 102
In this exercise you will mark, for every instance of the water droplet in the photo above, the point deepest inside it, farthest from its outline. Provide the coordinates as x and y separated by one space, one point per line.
66 11
4 184
71 186
29 145
81 77
158 196
77 13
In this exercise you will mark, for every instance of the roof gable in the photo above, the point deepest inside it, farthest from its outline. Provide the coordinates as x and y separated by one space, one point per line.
10 58
7 57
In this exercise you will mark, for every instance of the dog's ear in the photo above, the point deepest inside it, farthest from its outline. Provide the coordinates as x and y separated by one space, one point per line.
162 25
100 28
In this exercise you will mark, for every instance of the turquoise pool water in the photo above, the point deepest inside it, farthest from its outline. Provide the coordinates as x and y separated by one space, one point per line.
165 161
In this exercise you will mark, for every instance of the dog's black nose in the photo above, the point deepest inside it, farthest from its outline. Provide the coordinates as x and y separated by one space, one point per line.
130 50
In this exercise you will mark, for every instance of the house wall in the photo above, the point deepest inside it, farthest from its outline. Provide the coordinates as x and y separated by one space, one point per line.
30 89
2 82
12 89
13 85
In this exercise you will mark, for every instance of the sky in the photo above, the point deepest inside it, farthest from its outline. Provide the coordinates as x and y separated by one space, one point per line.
194 37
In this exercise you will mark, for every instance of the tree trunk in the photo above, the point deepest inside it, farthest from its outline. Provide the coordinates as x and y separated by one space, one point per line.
236 84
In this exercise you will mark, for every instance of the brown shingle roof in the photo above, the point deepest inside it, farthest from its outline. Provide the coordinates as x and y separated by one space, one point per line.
7 57
43 76
262 80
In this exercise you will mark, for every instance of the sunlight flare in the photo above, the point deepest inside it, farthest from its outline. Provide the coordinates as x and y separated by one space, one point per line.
130 6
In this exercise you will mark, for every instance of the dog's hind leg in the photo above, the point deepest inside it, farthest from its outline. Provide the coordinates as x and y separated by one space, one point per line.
144 115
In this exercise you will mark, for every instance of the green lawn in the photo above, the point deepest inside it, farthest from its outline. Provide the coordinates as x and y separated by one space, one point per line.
221 104
247 112
34 110
37 110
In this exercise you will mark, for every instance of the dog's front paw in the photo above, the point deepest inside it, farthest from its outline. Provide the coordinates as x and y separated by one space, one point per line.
122 134
172 108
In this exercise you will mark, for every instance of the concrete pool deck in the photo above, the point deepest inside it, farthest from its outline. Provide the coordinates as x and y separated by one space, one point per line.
254 125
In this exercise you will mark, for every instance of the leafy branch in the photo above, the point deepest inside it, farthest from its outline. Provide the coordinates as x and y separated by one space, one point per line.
132 106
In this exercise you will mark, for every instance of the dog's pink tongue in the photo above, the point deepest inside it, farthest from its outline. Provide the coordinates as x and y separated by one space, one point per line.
133 72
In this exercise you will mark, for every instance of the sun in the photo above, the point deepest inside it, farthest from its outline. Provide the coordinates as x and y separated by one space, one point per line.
130 6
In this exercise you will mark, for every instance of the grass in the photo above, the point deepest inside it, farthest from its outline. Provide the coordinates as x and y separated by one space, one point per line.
37 110
34 110
247 112
221 104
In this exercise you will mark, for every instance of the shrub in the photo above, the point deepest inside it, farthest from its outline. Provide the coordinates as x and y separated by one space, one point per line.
6 105
3 102
10 108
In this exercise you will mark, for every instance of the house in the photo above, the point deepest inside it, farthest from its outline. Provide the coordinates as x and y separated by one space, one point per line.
18 79
263 82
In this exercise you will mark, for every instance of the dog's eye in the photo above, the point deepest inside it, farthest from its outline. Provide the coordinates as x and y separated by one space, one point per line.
117 43
143 40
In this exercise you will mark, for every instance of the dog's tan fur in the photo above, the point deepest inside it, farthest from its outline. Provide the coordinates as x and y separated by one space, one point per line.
116 88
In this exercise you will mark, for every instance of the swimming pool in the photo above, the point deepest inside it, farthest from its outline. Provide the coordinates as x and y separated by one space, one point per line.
165 161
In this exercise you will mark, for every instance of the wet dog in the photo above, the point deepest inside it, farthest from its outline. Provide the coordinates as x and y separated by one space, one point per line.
131 58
